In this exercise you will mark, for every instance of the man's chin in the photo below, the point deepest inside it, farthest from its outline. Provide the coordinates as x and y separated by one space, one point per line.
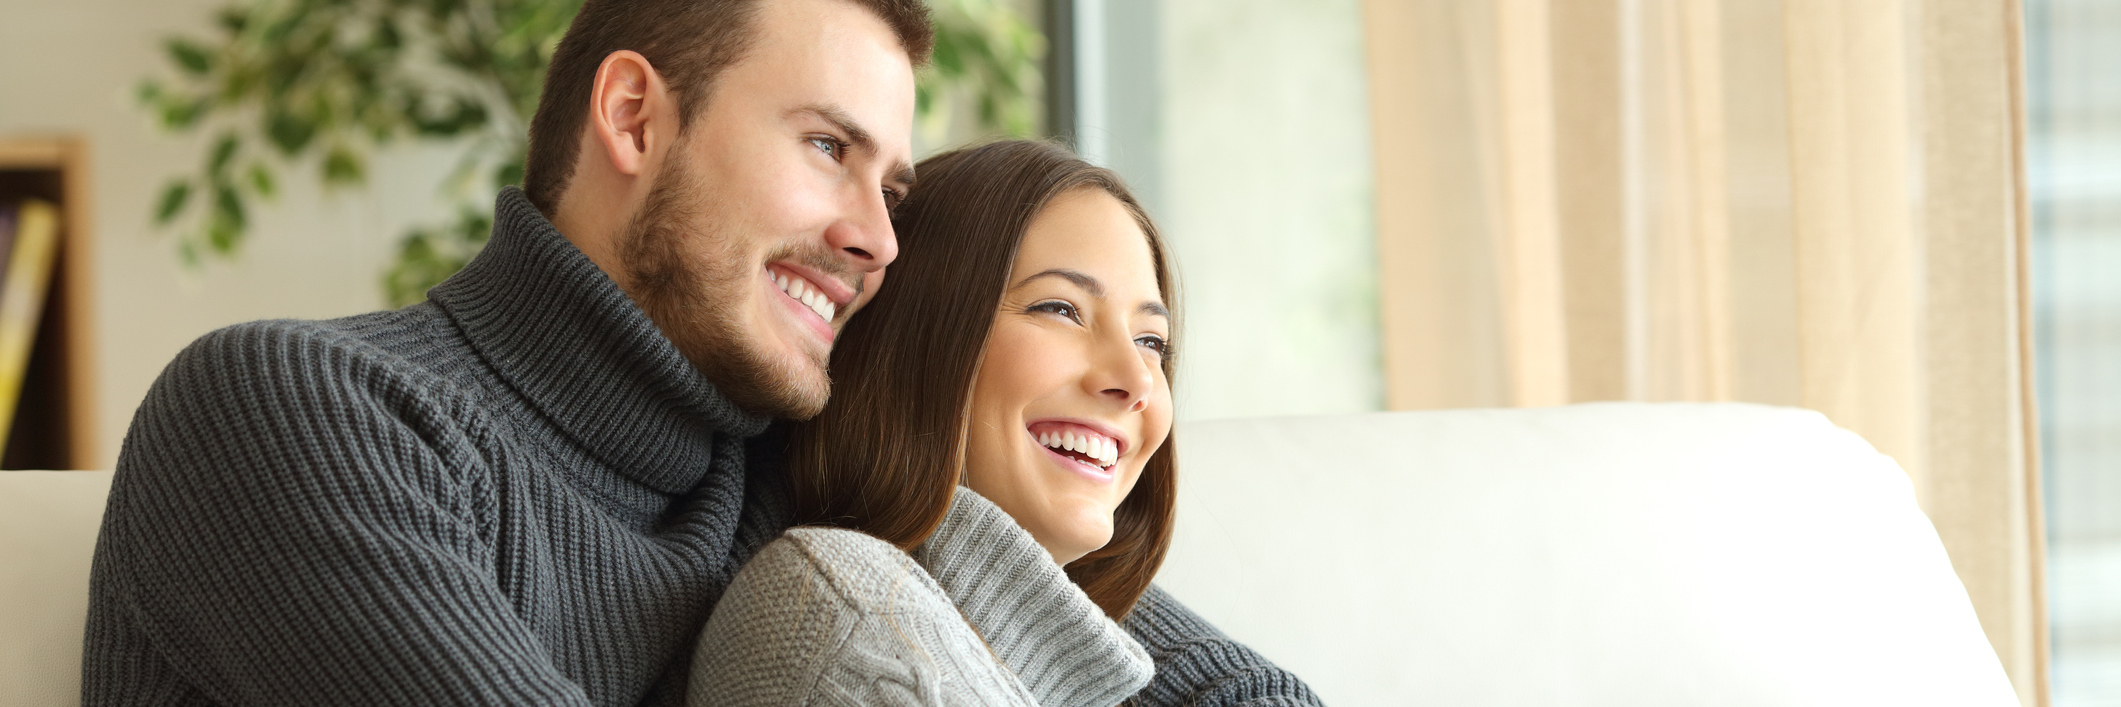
761 380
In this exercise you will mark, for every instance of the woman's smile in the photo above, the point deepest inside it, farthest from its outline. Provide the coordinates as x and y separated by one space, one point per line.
1080 446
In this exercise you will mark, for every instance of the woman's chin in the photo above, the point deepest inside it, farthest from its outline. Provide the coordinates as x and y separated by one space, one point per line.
1080 541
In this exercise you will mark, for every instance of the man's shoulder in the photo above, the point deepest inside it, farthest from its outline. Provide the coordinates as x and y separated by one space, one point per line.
270 401
396 359
406 342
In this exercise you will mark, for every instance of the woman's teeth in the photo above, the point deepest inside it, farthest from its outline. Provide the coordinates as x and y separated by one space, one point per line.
800 290
1099 448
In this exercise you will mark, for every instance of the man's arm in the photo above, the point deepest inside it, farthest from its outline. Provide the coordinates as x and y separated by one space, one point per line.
1198 666
290 524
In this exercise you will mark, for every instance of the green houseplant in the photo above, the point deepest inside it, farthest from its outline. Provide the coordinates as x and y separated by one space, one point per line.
325 84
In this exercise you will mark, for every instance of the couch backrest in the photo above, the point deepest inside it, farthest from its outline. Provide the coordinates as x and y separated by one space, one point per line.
1606 554
48 522
1631 554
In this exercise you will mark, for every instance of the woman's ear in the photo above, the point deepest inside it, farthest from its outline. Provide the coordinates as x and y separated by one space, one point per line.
631 114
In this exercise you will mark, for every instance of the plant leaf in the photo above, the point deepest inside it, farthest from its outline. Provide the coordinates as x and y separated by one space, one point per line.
221 237
178 114
173 199
228 207
289 132
224 151
233 19
508 174
261 180
341 167
189 56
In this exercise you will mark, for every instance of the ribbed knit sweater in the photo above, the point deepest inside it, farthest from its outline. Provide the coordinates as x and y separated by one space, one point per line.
1037 622
516 493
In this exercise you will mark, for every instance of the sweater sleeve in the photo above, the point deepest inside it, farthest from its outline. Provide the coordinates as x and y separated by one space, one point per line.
289 525
1198 666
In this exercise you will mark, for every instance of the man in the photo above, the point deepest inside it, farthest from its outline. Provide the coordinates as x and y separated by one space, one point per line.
533 488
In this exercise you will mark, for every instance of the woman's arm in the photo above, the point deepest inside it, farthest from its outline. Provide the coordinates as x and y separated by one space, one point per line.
1197 665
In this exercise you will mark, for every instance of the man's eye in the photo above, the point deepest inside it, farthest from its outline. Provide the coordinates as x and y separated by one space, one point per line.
1060 308
832 148
892 197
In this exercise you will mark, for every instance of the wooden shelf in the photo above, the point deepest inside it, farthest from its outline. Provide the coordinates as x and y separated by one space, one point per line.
55 421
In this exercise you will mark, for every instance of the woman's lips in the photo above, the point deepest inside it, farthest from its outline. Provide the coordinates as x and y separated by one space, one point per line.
1086 469
1090 448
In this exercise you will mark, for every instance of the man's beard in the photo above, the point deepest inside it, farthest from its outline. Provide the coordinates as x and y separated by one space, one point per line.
692 285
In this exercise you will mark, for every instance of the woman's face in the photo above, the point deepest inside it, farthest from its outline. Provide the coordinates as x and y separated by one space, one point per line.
1071 398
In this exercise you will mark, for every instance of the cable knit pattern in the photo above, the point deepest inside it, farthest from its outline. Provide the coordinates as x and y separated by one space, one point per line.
518 493
1039 623
832 617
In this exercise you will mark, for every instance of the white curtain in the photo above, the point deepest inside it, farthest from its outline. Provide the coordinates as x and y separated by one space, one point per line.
1795 202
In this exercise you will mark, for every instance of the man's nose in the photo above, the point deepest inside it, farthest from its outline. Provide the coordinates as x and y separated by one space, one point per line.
864 236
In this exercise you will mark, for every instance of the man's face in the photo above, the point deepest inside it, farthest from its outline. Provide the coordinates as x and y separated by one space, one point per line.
769 221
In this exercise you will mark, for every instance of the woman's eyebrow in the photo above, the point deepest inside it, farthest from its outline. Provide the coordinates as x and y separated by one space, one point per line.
1088 283
1155 308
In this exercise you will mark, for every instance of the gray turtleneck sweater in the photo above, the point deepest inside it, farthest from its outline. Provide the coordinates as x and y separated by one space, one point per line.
516 493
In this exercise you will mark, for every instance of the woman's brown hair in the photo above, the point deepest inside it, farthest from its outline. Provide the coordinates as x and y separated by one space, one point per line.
888 451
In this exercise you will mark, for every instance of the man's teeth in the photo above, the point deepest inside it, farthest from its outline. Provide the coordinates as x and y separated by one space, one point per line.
800 289
1099 448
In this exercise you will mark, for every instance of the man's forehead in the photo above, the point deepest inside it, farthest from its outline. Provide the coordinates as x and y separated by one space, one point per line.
835 61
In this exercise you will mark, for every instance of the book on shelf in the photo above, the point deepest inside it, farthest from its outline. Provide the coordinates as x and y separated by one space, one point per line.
29 242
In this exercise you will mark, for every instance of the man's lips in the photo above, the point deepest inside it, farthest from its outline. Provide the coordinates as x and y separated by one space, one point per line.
833 288
809 308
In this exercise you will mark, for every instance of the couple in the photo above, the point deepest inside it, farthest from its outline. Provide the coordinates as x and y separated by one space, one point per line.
560 480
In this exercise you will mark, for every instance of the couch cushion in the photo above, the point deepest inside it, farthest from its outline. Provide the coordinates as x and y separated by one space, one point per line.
48 522
1634 554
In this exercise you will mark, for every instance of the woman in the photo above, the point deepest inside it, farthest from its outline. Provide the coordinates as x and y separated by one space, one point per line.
1001 410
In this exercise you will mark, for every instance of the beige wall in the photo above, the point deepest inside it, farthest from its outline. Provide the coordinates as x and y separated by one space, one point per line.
71 67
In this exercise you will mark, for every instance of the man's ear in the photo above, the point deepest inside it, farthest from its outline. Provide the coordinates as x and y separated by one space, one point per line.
628 111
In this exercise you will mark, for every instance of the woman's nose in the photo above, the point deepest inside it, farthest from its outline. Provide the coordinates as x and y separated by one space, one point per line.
1118 372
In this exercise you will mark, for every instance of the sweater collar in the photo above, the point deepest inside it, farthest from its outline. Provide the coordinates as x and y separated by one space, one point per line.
1063 647
564 336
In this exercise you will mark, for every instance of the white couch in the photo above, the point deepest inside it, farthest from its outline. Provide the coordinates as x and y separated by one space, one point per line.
1612 554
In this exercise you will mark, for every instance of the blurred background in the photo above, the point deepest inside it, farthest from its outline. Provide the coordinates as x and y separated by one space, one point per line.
1903 213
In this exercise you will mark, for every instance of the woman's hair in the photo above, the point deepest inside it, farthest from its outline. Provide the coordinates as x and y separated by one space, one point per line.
888 451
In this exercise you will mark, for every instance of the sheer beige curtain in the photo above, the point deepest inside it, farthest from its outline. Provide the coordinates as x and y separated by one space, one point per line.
1796 202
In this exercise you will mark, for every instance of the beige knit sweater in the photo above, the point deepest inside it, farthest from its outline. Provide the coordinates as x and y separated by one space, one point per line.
825 616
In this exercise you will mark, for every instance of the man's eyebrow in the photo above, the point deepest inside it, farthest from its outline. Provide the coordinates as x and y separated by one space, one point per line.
858 137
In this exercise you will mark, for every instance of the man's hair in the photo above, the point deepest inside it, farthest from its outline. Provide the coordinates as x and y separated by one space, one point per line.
689 42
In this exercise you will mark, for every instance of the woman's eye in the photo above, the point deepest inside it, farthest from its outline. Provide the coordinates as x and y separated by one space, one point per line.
827 145
1155 343
1057 307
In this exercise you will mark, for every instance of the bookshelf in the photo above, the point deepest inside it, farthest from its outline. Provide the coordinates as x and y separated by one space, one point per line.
55 419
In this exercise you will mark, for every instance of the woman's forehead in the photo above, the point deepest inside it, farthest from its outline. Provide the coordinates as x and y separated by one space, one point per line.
1088 233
